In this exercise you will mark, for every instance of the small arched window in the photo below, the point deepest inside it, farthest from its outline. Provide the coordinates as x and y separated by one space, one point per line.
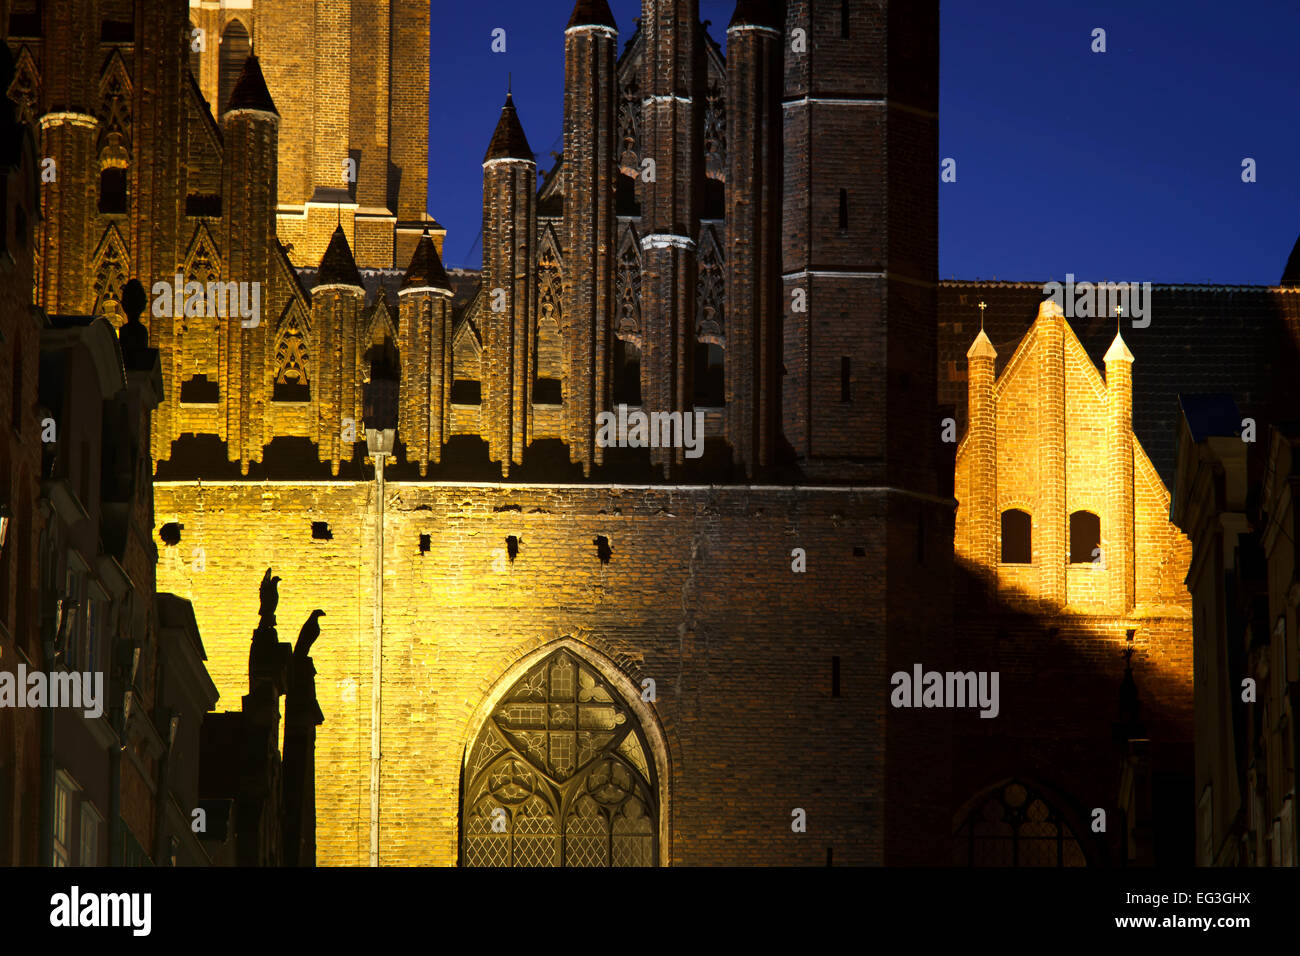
1017 537
1085 537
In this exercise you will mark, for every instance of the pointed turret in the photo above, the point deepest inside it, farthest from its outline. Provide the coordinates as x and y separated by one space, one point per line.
1118 351
337 301
337 267
424 338
981 348
1118 532
592 13
510 279
982 452
509 141
426 270
250 92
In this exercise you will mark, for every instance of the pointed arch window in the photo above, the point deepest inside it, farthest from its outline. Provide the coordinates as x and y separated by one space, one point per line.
1015 824
560 775
235 47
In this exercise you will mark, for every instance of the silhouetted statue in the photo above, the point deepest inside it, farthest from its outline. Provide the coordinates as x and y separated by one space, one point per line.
307 636
270 597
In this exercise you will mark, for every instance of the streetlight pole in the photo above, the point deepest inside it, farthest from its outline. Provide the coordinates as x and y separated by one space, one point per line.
380 446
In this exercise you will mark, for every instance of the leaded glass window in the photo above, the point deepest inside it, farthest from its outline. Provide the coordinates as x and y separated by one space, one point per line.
559 776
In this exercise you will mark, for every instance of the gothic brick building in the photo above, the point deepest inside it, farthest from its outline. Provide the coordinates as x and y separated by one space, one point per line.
757 270
545 650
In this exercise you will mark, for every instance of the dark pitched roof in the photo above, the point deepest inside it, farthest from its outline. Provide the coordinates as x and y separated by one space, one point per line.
586 12
509 141
1210 415
758 13
426 266
1291 274
250 92
337 267
1236 340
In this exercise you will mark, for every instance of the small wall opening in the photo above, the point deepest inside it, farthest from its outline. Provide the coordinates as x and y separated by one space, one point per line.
626 388
835 676
1017 537
603 550
1085 537
466 392
320 531
710 376
512 546
425 544
170 533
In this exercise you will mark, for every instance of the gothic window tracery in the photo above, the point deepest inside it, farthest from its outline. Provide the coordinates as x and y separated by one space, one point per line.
559 776
710 293
715 134
1016 825
629 127
115 106
292 382
111 267
627 290
549 357
25 89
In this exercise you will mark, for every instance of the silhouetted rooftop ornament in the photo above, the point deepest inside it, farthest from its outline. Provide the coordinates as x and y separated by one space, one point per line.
133 335
307 636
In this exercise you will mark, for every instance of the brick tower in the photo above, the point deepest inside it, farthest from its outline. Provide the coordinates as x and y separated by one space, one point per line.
861 239
510 284
754 173
589 225
672 72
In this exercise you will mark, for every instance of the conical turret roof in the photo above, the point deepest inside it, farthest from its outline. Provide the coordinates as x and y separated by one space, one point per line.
337 267
426 267
250 92
592 13
509 141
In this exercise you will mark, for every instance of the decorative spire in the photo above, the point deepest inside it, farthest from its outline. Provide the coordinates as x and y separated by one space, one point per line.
250 92
509 141
337 267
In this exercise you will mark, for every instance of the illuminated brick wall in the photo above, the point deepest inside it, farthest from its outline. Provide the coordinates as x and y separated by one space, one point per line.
744 686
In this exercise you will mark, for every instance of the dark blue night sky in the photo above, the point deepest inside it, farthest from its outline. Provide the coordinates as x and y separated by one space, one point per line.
1123 166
